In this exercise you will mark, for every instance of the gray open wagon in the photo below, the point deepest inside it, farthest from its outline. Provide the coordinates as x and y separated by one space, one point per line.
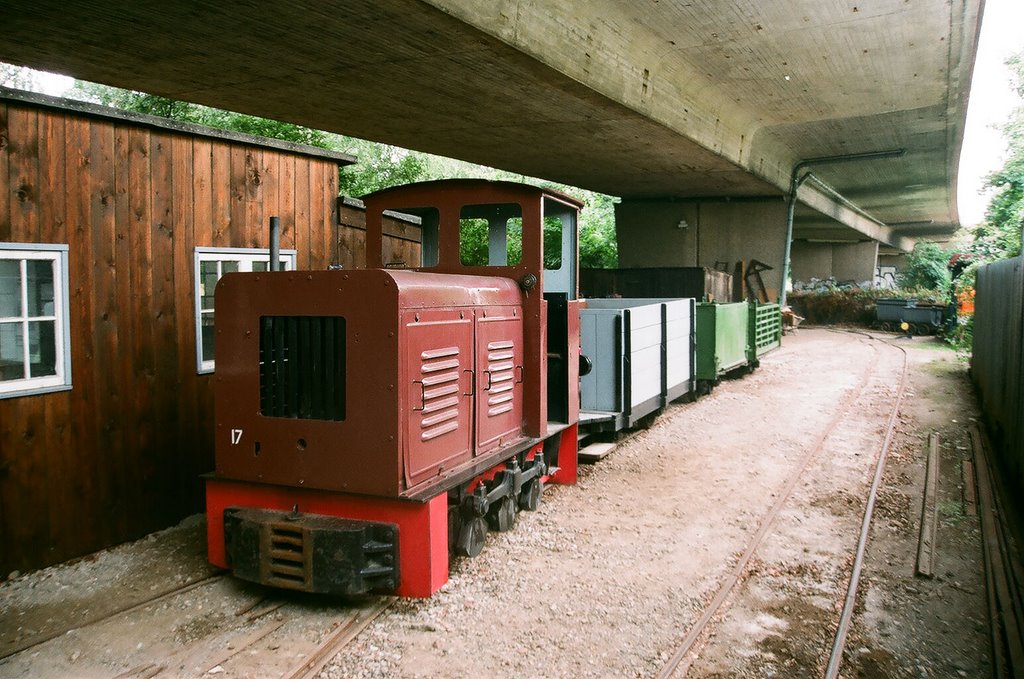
642 355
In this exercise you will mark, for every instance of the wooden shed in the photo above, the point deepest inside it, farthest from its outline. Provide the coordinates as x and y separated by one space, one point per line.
113 230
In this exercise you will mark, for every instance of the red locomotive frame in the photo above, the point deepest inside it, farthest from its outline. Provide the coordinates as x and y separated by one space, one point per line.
369 423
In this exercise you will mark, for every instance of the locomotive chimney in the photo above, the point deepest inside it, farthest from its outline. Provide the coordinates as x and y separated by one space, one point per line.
275 243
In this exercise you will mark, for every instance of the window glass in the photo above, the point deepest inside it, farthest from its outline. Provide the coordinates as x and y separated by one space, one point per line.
209 274
12 352
206 338
473 242
211 264
10 288
42 348
552 243
39 280
34 356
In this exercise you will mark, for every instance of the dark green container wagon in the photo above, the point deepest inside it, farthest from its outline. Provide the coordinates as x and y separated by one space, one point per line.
722 339
731 337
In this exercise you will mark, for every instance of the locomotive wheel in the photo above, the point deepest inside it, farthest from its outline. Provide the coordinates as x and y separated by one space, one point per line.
502 515
529 497
471 537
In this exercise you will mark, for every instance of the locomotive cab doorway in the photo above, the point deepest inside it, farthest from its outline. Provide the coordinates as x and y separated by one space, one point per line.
560 292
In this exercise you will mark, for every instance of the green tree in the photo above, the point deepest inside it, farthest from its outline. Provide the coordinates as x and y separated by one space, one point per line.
380 166
927 268
598 242
16 77
173 109
598 246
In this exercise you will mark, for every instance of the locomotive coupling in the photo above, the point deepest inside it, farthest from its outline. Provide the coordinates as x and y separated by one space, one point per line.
310 552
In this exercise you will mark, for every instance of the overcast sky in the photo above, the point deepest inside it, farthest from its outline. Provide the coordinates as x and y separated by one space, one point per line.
992 100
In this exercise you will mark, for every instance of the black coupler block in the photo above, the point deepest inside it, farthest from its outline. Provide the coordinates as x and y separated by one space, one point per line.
311 552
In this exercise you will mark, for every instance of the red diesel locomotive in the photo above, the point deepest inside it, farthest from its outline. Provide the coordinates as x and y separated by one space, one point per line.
369 423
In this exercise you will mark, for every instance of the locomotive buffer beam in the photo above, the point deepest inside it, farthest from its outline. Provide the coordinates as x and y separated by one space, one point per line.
311 552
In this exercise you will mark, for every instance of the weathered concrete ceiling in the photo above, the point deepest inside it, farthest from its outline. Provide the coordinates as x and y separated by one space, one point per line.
668 98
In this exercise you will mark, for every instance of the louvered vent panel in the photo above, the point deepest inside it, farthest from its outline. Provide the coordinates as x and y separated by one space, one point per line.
501 366
302 367
440 370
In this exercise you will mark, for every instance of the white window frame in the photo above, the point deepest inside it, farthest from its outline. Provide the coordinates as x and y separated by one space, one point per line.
61 381
245 257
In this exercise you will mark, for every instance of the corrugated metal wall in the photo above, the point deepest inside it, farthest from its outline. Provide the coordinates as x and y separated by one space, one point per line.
998 363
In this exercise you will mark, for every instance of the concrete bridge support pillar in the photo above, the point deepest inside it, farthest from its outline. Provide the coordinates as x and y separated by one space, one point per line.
703 233
846 262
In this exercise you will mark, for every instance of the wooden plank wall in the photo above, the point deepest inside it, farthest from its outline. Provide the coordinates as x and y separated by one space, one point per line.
401 242
121 453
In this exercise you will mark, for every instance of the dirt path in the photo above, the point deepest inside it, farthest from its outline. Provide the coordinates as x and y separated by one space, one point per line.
607 578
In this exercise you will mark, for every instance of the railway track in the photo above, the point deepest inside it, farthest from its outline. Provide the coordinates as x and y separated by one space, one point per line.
213 625
688 649
263 628
35 640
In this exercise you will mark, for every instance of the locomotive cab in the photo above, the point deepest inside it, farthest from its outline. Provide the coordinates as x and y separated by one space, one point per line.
492 229
369 422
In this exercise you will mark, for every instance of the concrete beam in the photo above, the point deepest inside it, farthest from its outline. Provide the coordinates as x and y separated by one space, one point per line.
672 98
763 87
813 197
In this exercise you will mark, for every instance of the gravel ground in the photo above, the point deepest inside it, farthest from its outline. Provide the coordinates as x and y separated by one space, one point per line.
606 579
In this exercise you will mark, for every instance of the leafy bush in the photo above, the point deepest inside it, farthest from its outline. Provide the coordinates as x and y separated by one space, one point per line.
836 306
854 305
927 267
961 337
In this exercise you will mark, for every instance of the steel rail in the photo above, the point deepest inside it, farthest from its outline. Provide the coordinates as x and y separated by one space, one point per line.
32 642
675 665
219 648
1004 597
846 617
341 637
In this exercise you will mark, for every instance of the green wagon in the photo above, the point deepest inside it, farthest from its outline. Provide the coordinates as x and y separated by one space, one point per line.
722 340
733 337
764 331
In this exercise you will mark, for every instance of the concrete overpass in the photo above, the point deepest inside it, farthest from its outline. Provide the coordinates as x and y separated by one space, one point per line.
695 113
